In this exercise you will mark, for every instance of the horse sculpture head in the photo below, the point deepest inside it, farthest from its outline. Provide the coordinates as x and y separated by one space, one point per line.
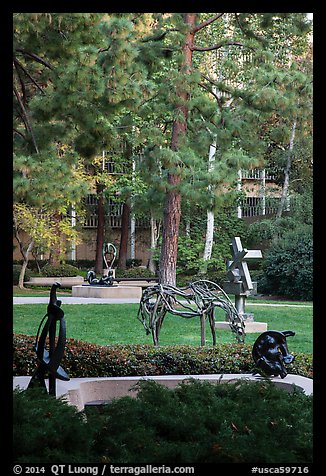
270 352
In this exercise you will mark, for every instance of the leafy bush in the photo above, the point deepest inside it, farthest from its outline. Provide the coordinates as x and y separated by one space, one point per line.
65 270
83 359
197 422
288 267
16 272
32 264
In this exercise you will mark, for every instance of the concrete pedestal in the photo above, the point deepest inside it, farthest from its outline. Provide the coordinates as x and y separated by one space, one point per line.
80 391
114 292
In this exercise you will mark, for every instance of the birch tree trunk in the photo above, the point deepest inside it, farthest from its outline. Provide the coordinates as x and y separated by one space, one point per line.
285 189
155 233
210 217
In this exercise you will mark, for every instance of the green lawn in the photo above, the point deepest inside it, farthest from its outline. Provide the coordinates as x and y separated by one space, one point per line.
106 324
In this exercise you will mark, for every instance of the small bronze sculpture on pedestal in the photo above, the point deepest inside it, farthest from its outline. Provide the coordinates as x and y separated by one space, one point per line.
106 279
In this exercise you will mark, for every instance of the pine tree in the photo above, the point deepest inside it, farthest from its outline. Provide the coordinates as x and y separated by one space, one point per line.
253 102
47 170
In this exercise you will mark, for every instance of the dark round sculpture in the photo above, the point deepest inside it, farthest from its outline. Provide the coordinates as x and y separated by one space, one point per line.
270 353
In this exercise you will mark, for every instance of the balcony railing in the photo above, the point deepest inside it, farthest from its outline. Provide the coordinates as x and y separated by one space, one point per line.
257 174
113 214
259 206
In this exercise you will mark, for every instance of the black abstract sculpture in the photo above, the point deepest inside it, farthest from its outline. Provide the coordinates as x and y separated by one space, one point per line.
270 353
49 360
107 280
103 281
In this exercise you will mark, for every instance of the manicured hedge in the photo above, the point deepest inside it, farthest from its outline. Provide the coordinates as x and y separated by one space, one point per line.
83 359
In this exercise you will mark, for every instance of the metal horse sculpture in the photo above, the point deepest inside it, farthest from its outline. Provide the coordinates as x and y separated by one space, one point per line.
198 299
270 352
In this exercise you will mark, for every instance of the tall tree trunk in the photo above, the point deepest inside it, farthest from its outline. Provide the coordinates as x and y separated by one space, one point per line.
55 255
155 233
286 183
25 255
172 205
100 230
210 217
208 241
124 236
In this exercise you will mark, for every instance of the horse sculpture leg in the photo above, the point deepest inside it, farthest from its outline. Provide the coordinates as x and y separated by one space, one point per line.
202 329
212 324
159 323
155 321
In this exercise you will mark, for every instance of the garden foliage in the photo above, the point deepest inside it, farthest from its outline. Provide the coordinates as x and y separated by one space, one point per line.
198 422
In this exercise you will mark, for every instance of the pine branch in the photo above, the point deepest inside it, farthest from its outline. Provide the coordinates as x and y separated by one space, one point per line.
218 46
246 31
19 133
210 80
19 65
215 95
29 127
35 57
206 23
158 37
22 84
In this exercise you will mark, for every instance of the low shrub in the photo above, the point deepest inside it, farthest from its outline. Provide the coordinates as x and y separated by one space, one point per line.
16 269
65 270
197 422
133 273
83 359
46 429
81 263
201 422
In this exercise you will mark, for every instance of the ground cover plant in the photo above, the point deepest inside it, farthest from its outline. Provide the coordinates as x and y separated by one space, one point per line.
234 423
117 324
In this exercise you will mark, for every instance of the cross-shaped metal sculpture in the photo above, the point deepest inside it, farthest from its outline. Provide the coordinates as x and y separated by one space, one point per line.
239 280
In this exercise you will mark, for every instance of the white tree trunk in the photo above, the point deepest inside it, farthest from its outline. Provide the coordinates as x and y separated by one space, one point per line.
155 233
209 235
24 266
210 216
285 189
